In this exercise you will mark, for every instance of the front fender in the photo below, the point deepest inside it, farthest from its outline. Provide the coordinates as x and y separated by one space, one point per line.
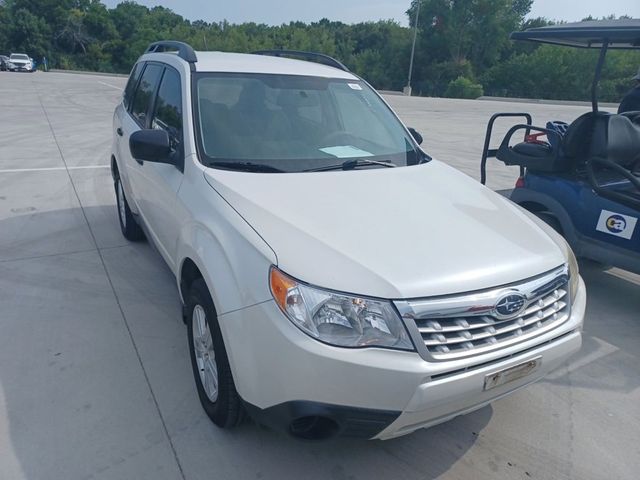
233 260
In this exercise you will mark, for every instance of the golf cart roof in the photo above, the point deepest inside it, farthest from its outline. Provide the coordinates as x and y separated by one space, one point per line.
619 34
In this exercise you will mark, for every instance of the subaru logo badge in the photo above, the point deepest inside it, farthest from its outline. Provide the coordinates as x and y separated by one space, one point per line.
510 305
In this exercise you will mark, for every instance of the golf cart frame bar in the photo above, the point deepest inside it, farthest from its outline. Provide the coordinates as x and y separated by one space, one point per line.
596 77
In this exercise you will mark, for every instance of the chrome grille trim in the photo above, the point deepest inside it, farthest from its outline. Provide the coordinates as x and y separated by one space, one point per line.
464 325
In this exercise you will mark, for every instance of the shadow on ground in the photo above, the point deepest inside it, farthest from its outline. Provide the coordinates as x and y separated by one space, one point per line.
83 364
95 378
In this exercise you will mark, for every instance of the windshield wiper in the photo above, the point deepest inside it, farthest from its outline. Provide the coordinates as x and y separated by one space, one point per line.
246 167
351 164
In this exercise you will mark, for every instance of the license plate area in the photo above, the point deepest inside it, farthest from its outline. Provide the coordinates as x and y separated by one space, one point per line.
511 374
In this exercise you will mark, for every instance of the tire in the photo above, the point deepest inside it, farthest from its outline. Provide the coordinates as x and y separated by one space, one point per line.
128 224
214 381
550 220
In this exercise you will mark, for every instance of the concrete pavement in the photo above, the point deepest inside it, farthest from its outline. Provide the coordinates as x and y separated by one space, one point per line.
95 380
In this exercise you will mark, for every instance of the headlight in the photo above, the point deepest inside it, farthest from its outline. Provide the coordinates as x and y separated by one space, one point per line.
339 319
574 274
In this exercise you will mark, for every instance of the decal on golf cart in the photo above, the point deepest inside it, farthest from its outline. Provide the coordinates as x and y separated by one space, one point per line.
616 224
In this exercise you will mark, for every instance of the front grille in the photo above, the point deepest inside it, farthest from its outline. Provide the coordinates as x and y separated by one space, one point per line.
467 325
461 334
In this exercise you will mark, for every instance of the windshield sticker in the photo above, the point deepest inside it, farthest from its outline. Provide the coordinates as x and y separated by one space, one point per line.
355 86
346 151
616 224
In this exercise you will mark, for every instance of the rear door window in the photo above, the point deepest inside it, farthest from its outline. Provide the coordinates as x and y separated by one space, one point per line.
143 96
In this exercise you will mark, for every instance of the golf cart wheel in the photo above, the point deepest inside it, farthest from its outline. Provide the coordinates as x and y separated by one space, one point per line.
550 220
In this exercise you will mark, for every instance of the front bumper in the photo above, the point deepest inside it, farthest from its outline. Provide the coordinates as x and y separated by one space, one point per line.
285 376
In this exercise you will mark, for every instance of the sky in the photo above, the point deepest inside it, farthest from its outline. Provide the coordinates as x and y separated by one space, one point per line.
275 12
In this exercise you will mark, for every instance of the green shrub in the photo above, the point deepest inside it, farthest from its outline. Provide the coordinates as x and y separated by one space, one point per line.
462 87
436 78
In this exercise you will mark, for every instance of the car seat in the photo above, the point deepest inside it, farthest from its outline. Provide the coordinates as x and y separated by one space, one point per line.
217 135
254 120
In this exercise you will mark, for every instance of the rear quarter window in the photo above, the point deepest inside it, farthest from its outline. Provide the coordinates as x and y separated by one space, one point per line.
131 84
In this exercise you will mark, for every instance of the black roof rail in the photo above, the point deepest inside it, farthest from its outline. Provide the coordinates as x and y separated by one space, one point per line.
308 56
185 51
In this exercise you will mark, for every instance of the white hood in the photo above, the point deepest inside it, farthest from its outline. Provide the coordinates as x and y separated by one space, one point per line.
390 232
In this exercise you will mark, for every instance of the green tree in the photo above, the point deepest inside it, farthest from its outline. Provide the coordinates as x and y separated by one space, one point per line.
4 27
73 35
458 33
463 45
28 33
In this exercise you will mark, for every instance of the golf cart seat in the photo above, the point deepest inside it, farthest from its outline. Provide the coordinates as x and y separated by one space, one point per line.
559 153
612 138
624 139
535 156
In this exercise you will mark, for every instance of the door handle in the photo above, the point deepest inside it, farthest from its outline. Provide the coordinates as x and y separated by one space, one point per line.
119 131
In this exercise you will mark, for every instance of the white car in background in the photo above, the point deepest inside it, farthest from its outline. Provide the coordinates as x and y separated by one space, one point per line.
335 279
20 62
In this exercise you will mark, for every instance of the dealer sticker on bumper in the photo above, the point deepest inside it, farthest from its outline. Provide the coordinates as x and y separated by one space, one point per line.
511 374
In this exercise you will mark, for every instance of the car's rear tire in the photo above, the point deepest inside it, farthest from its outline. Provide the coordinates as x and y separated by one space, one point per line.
128 224
211 370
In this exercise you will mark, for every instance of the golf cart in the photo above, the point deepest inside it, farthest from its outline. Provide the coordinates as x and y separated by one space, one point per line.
581 178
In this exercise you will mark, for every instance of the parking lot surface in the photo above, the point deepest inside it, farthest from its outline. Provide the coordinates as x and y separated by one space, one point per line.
95 379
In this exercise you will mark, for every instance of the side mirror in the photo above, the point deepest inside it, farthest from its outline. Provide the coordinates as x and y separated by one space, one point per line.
416 136
151 146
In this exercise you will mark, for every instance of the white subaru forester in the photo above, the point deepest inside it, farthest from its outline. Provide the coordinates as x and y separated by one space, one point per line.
336 280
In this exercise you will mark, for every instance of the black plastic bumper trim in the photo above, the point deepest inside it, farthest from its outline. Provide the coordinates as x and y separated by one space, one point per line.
350 421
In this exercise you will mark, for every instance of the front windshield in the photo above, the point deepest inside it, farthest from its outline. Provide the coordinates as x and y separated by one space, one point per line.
18 56
294 123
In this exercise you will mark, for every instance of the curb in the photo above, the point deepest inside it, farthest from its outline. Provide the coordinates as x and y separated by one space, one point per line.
547 102
82 72
390 92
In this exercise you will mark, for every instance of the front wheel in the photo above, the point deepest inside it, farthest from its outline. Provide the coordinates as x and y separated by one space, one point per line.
211 370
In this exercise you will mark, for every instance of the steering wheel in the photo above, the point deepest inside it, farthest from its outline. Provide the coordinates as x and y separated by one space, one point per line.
633 116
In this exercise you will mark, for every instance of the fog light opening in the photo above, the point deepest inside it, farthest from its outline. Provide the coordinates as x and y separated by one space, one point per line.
313 428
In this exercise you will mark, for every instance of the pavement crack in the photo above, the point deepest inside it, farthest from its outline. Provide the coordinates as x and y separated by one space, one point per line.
50 255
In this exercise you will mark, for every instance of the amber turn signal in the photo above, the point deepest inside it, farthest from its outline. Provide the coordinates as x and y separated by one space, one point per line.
280 285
